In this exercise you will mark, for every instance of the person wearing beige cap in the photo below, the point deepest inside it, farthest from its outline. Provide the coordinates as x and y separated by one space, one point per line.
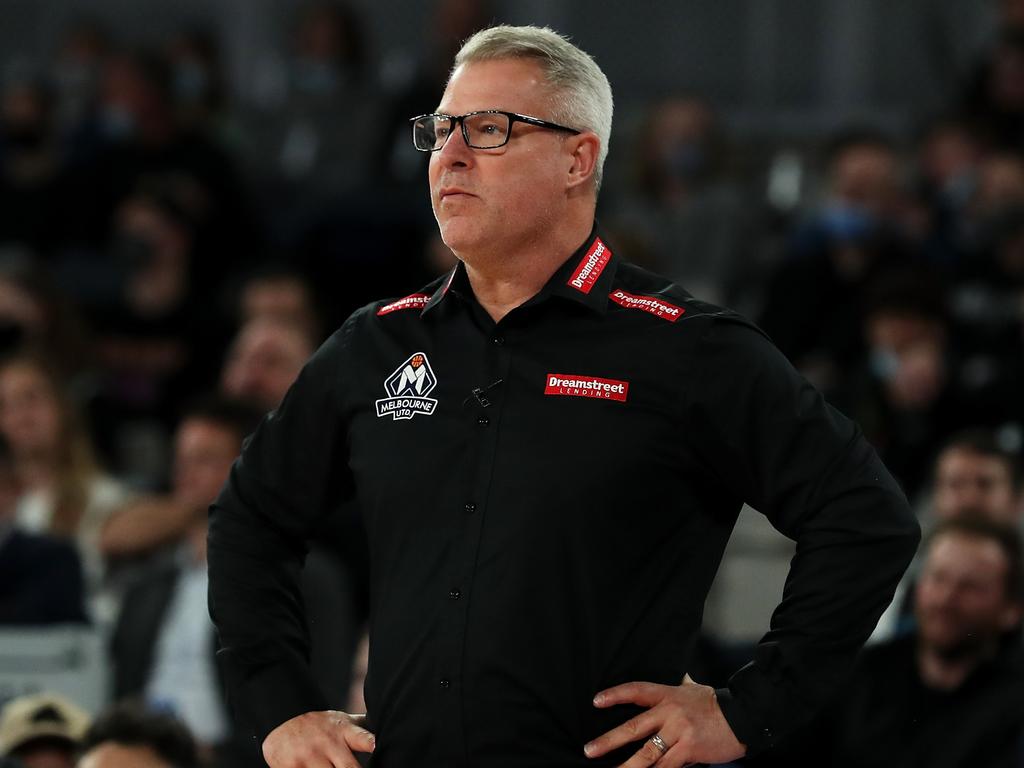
42 730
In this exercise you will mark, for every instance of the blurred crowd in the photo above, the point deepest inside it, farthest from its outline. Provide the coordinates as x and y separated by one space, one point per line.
172 250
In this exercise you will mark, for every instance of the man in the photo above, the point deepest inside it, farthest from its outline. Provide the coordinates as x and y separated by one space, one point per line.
164 644
127 737
42 730
951 693
546 512
973 476
263 361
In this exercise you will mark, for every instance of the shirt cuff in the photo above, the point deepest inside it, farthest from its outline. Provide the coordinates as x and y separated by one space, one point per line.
264 698
756 738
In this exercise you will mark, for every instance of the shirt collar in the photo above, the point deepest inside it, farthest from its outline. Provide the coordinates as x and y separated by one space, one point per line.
585 277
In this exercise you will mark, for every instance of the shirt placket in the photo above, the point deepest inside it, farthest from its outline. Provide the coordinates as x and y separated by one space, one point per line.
483 413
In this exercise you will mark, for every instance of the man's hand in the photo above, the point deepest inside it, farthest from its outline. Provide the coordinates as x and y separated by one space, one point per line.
318 740
686 717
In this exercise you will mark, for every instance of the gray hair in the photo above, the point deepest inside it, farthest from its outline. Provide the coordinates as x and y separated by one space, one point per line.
581 94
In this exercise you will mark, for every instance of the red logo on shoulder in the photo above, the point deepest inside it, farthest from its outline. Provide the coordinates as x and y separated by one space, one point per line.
590 267
650 304
415 301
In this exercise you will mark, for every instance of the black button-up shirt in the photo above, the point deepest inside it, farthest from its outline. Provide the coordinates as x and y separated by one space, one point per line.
547 500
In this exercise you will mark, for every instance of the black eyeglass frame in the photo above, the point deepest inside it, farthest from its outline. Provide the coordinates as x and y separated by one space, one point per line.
460 120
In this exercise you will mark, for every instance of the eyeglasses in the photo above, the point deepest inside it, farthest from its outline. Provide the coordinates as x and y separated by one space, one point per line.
487 129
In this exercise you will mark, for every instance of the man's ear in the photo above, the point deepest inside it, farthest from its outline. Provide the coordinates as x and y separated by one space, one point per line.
584 149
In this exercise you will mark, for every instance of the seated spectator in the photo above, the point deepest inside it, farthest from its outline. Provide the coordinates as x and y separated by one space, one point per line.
263 361
42 731
157 339
198 79
815 299
685 209
127 736
950 694
949 160
65 492
974 476
993 99
30 163
33 313
905 393
206 443
164 642
40 576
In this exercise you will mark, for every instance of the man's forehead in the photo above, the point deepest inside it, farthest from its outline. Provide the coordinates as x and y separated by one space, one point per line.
958 458
514 85
979 553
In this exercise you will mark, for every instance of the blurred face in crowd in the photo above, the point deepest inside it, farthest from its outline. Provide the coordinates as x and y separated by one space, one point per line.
962 605
283 299
30 416
499 199
263 361
154 248
1006 80
677 144
110 754
865 176
23 115
1000 183
909 352
969 481
949 153
203 453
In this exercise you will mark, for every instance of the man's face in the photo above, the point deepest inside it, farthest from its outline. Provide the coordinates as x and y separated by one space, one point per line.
965 480
262 363
489 198
961 601
203 454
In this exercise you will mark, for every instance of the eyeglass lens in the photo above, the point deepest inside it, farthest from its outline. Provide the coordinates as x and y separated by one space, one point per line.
485 130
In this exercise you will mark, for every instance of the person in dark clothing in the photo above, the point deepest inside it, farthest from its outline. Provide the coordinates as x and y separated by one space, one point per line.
40 576
550 447
950 694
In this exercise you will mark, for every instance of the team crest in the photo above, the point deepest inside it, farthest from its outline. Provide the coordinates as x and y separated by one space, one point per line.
408 388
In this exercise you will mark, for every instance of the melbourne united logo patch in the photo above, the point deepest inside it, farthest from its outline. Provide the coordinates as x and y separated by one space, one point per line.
408 388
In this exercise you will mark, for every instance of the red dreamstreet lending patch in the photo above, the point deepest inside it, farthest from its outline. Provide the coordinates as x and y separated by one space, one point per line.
574 385
590 267
650 304
415 301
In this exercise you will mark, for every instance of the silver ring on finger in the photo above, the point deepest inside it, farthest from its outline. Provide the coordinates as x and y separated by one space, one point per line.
659 742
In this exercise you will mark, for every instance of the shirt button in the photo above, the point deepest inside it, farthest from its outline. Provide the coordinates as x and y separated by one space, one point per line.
470 509
445 683
499 340
483 421
455 594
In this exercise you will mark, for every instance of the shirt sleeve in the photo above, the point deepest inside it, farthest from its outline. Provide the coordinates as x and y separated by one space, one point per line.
292 470
770 435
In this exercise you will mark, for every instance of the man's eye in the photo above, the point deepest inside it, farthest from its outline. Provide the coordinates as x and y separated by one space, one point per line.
441 131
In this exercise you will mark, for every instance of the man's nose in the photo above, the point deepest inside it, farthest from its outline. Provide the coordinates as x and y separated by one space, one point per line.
455 149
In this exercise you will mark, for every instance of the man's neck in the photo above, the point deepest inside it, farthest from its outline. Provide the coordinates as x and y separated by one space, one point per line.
505 279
